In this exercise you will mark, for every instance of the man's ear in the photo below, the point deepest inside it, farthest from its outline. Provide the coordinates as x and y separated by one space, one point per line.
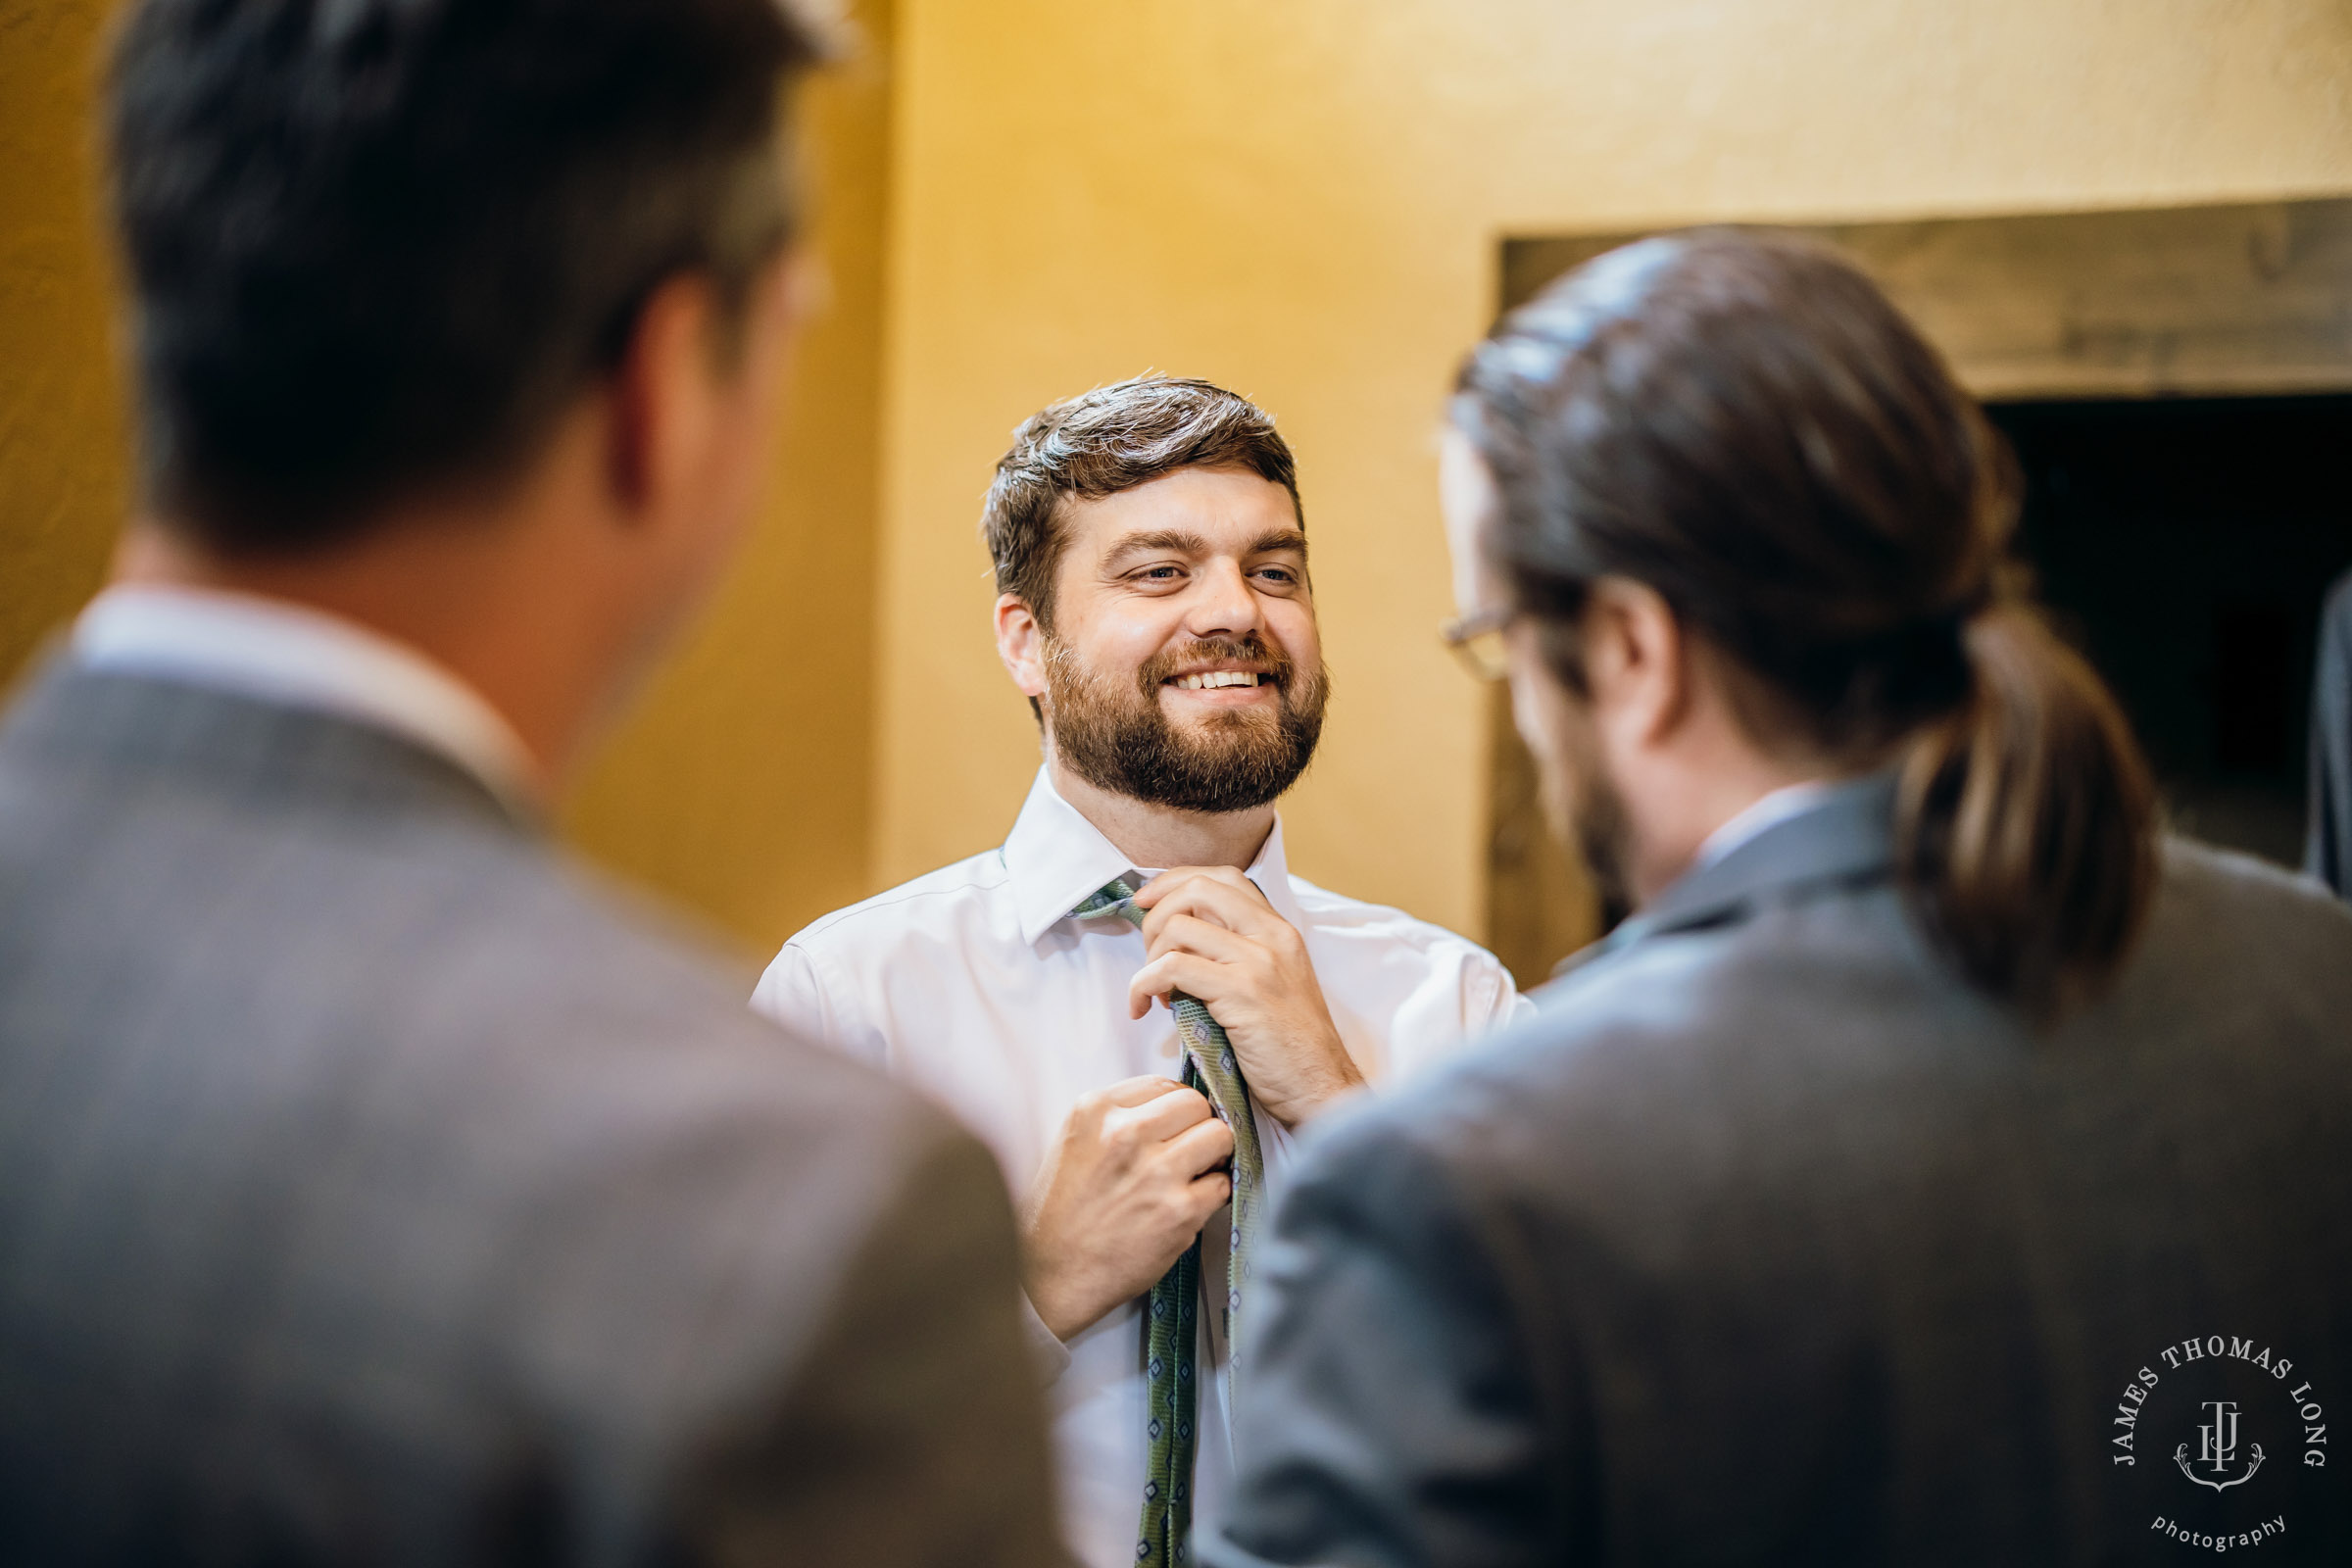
1021 645
665 397
1636 661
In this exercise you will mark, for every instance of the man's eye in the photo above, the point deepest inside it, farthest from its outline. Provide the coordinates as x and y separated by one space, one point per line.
1161 573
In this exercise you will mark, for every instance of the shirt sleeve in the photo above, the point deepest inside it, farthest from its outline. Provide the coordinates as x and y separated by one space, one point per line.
793 995
1492 1000
1052 1357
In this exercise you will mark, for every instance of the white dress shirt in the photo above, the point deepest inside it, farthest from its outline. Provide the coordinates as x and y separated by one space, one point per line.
975 985
284 653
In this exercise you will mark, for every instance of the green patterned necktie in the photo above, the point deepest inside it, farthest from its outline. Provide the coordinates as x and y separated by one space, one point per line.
1173 1428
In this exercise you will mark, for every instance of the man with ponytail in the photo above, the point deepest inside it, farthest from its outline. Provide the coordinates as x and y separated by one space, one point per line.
1929 1089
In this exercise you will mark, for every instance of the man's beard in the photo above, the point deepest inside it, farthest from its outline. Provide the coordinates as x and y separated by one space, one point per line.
1111 731
1586 811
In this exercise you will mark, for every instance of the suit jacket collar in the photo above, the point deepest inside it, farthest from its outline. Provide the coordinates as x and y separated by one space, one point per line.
116 724
1845 838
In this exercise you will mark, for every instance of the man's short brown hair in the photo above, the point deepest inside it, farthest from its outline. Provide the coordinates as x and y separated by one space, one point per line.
1111 439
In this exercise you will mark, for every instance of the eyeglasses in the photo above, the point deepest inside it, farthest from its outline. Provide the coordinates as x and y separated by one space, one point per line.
1476 639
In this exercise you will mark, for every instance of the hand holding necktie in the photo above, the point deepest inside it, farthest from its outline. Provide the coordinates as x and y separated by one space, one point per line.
1213 937
1135 1170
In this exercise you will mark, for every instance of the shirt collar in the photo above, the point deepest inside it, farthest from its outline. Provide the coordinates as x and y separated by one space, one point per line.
1775 806
304 658
1056 858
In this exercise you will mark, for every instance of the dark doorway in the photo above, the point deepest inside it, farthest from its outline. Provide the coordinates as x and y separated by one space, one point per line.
2185 545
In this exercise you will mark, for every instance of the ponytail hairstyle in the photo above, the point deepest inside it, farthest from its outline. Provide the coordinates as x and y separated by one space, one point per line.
1744 423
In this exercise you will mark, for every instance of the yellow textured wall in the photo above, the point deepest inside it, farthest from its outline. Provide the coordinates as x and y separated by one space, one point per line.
740 785
63 447
1303 201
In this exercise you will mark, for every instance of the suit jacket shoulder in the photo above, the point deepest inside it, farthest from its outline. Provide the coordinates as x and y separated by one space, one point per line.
446 1195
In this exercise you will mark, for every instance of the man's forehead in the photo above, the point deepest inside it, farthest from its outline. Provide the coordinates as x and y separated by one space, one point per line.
1207 510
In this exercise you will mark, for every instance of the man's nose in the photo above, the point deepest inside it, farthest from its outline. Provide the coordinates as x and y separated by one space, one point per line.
1222 605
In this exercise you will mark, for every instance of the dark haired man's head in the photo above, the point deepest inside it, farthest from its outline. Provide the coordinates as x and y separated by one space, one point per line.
1748 530
461 319
377 247
1153 599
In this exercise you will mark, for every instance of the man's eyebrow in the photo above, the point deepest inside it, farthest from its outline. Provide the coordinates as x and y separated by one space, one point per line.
1181 540
1185 542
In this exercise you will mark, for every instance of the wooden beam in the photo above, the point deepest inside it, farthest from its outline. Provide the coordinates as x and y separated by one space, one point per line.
2201 301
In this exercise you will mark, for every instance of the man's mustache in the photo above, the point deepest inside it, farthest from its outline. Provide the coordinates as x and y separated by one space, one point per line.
1275 665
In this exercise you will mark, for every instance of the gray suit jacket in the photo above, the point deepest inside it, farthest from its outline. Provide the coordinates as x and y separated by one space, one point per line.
375 1188
1769 1241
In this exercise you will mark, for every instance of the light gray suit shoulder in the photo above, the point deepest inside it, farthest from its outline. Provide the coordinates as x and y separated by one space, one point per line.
374 1186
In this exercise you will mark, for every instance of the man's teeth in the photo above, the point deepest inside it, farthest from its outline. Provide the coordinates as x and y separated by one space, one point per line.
1214 678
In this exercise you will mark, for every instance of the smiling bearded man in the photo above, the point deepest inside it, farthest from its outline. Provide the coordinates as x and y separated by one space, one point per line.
1154 606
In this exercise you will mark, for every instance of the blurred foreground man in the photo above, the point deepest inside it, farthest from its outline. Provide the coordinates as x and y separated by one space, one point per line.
1938 1167
372 1186
1154 606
